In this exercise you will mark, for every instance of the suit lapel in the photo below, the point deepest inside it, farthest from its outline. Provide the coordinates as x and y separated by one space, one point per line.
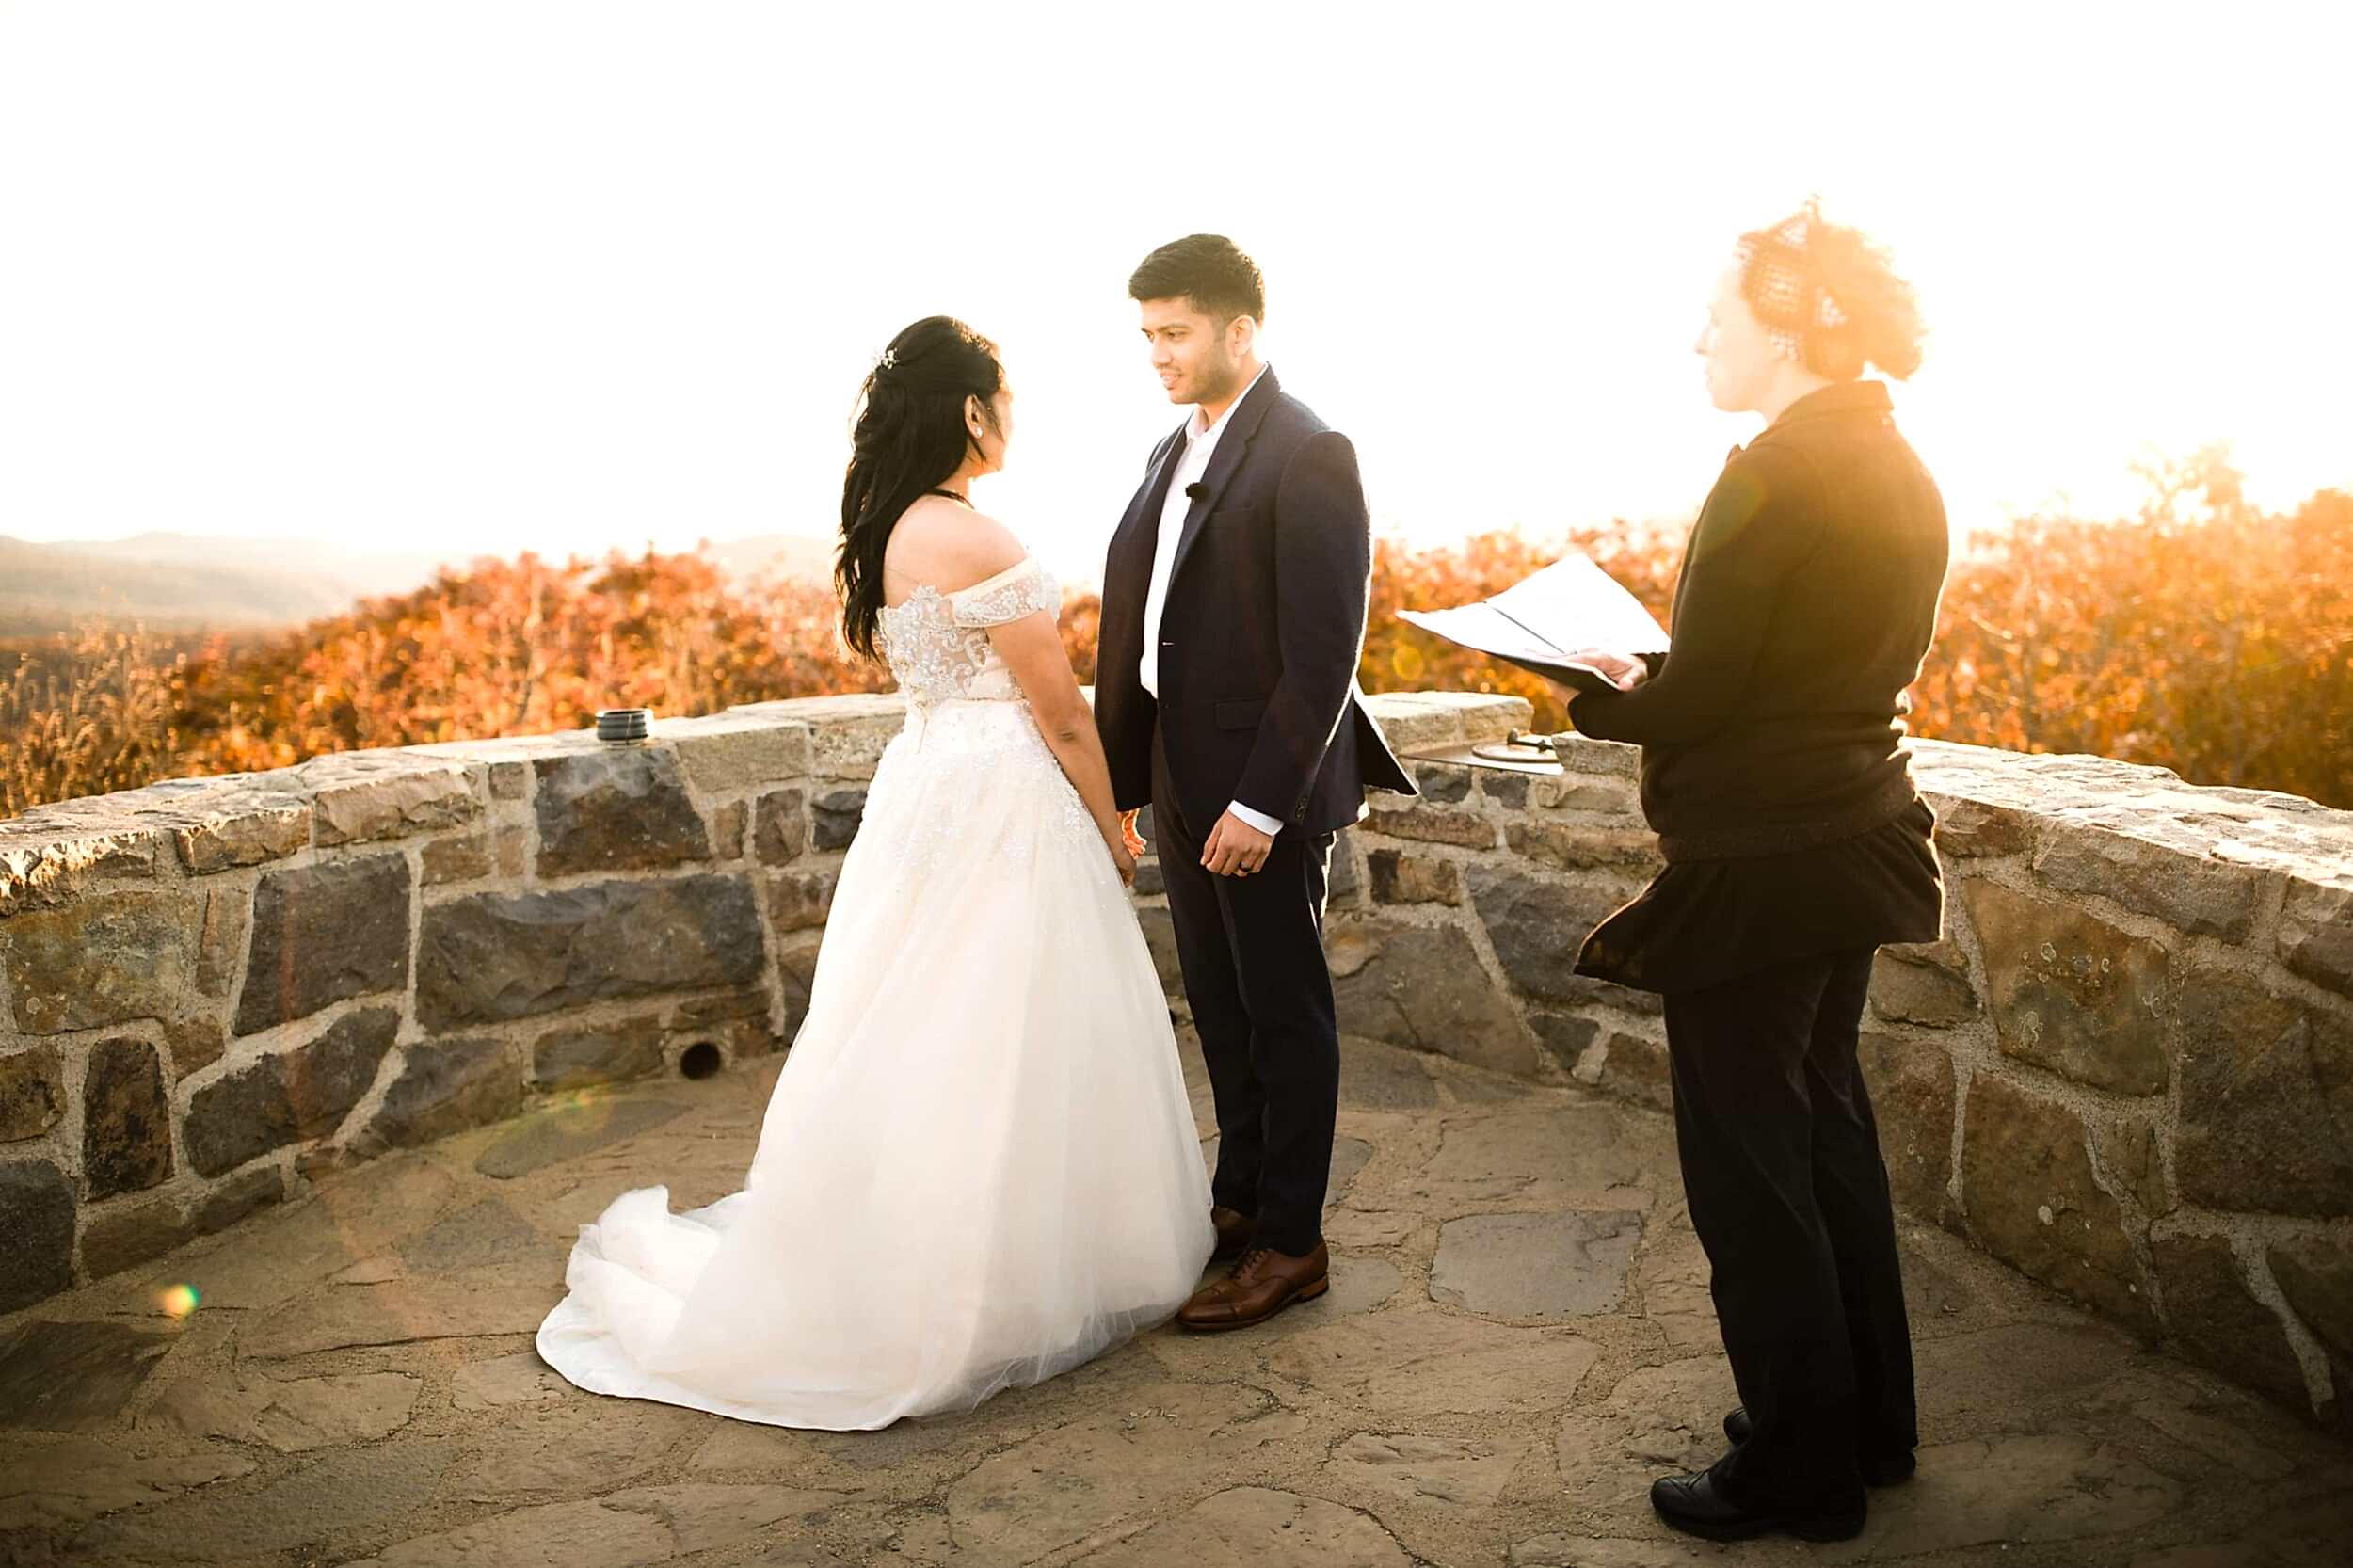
1131 549
1163 473
1223 462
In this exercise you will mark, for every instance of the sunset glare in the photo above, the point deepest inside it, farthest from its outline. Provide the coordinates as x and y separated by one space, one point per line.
471 277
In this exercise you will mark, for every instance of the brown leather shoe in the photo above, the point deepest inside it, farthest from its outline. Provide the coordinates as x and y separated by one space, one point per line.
1233 1231
1260 1285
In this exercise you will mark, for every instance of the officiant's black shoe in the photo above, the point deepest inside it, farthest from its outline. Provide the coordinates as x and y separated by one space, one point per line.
1233 1231
1696 1505
1889 1469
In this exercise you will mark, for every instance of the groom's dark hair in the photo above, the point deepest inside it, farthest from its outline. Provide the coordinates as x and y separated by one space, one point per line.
1207 271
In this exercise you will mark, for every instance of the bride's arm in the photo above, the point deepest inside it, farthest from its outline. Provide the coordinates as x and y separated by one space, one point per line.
949 545
1032 648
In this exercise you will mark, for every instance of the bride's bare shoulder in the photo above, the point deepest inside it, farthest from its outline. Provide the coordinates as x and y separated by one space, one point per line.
950 547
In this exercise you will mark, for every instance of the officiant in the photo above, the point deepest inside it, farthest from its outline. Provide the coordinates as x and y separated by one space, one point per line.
1795 843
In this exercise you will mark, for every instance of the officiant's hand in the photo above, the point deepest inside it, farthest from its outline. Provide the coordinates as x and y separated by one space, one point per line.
1235 848
1621 670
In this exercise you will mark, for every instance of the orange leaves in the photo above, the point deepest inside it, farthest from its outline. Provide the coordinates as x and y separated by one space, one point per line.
501 647
2202 635
80 712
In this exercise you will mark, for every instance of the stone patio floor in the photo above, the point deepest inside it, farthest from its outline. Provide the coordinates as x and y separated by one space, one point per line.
1518 1337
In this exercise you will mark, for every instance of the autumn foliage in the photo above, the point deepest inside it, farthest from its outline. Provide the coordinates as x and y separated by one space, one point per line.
504 648
2202 634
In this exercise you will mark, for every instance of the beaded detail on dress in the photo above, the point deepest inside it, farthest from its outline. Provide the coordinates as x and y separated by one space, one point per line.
938 648
938 644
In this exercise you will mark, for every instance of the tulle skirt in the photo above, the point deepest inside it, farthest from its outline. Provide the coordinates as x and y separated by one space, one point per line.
978 1168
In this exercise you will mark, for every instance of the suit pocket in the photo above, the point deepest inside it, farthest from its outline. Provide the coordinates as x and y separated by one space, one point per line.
1249 514
1243 713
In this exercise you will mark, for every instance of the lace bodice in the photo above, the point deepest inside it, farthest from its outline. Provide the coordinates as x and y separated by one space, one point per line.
938 644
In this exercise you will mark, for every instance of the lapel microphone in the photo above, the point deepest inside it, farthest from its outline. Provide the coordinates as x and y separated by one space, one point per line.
1195 490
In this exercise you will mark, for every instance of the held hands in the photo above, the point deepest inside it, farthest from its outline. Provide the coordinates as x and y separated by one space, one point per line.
1235 848
1125 847
1621 670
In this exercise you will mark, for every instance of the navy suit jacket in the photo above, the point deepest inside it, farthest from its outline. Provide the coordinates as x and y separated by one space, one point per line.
1260 634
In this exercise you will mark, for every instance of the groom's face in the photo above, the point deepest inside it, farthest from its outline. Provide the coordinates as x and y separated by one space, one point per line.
1195 356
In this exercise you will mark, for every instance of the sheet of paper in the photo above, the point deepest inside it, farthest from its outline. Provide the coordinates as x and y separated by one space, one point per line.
1575 600
1568 605
1483 628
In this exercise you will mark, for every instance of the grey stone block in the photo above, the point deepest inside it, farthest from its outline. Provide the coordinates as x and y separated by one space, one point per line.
126 1120
322 934
36 1232
494 956
622 809
288 1097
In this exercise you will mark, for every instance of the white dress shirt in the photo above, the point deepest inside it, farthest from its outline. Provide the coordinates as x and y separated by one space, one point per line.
1201 438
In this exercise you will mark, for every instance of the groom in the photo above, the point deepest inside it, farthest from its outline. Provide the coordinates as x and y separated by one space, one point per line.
1225 691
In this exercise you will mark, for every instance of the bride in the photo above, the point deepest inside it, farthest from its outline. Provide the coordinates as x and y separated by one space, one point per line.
978 1168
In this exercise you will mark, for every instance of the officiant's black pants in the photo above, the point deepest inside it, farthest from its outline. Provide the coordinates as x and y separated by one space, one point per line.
1252 951
1782 1168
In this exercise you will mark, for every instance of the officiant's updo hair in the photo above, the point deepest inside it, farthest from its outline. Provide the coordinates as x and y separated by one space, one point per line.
909 436
1828 298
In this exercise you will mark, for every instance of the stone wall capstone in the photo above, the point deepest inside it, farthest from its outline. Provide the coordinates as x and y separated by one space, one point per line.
2126 1069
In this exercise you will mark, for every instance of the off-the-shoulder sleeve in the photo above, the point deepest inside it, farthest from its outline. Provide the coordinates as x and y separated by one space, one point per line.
1022 589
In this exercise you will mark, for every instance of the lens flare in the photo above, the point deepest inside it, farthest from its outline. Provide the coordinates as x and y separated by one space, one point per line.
582 1111
178 1301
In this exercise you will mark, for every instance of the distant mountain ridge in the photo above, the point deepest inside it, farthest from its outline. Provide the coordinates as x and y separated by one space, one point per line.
793 557
46 588
187 581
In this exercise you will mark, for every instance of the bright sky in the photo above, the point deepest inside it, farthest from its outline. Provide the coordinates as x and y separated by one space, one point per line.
482 276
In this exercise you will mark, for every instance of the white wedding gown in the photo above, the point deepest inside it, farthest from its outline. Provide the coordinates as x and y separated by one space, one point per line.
978 1168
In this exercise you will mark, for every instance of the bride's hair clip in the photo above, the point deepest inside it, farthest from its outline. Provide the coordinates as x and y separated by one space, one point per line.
887 359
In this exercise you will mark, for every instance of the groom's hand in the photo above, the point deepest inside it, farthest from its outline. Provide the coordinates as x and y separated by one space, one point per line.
1128 835
1235 848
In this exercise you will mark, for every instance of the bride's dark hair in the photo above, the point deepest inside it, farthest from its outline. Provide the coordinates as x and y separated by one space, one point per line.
909 438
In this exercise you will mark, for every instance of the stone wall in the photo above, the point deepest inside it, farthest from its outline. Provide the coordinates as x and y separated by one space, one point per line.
212 988
2127 1070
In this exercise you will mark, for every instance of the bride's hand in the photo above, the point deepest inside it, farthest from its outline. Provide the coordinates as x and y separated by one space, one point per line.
1126 865
1621 670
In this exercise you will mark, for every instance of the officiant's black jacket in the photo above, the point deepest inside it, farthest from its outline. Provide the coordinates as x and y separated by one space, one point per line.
1805 605
1260 634
1773 763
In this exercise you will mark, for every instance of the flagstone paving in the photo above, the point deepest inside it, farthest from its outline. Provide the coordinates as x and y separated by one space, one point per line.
1518 1337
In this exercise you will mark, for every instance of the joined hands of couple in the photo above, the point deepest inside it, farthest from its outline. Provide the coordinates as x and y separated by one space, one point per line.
1234 848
